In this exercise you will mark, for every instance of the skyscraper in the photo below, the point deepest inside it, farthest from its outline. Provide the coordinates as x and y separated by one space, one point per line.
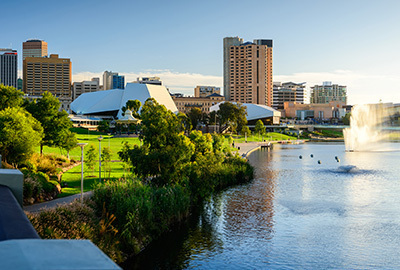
50 74
8 67
118 82
288 92
34 48
248 71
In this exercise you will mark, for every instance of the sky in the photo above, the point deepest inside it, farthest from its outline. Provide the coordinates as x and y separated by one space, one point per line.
349 42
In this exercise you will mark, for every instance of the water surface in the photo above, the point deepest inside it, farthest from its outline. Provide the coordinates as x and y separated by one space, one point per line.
296 214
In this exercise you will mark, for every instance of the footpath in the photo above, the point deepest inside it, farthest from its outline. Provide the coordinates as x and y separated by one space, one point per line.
244 150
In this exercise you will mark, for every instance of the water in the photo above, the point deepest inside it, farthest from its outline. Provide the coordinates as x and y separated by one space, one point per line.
296 214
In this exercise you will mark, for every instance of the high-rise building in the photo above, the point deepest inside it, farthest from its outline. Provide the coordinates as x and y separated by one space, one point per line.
20 84
288 91
328 92
107 79
8 67
52 74
203 91
118 82
34 48
79 88
248 71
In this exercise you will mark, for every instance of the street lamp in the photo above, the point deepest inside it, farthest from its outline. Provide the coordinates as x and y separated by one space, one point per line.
82 145
109 136
100 138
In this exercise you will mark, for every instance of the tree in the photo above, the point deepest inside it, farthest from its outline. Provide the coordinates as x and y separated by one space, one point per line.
106 159
20 133
232 115
104 126
165 151
245 130
195 116
346 119
54 122
68 141
10 97
91 158
259 128
133 106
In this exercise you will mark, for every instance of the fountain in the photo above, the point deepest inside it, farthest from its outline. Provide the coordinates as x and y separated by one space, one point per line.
366 128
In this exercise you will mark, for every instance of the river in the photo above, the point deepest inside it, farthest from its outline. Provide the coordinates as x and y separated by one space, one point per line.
307 208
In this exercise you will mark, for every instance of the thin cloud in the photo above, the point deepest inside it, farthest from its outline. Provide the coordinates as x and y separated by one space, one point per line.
361 87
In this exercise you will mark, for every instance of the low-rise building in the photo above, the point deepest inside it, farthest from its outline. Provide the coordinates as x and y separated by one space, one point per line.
185 104
321 111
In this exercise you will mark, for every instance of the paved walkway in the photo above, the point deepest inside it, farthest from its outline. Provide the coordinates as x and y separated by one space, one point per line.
35 208
247 147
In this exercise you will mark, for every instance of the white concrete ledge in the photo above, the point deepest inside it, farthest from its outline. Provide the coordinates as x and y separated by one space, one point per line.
53 254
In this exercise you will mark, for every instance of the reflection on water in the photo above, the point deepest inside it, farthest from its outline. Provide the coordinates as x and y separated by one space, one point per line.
297 213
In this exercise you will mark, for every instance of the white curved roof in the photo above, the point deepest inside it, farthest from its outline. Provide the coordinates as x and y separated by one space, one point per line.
254 111
115 99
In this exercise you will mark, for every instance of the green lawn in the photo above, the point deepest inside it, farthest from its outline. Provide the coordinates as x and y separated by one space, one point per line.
72 178
270 136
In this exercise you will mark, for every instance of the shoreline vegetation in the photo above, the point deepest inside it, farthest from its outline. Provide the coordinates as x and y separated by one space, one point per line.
170 174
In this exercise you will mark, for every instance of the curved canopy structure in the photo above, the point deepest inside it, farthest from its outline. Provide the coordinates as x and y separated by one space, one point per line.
101 102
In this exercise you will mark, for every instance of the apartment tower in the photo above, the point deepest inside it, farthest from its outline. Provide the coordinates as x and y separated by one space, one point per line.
328 92
34 48
248 71
8 67
111 80
52 74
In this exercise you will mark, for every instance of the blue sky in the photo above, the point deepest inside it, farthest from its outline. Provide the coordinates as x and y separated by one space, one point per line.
355 43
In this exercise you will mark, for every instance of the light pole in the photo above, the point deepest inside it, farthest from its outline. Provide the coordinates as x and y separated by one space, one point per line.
109 136
82 145
100 138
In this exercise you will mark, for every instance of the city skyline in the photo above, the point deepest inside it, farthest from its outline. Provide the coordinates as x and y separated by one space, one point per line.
350 43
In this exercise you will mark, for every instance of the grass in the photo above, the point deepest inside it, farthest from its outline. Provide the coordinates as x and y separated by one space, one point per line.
270 136
72 178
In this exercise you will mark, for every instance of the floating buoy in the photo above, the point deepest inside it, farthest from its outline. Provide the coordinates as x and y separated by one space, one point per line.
338 160
311 155
300 157
336 157
319 161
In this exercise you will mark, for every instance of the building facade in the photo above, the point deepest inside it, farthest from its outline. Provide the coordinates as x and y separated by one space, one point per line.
328 92
248 71
185 104
8 67
34 48
149 80
52 74
288 91
203 91
320 111
78 88
118 82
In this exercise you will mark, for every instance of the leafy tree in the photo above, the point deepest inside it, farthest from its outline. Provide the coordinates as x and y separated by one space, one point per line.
20 133
187 124
10 97
346 119
68 141
165 151
91 158
245 130
106 159
195 115
260 128
54 122
104 126
232 115
133 106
